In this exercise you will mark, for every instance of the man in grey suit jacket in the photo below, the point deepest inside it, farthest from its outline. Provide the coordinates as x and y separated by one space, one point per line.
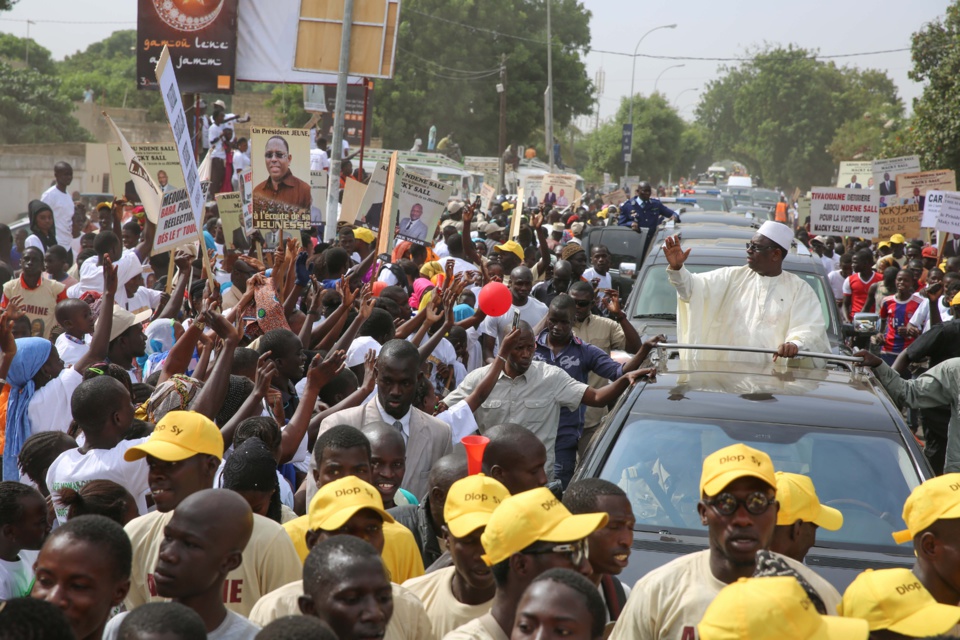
428 439
413 227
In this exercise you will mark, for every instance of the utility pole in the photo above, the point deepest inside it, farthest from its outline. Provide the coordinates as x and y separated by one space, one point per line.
549 109
502 90
340 105
601 80
26 53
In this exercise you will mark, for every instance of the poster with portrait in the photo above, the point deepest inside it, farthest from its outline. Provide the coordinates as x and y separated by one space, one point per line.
487 194
163 163
281 172
230 206
855 174
885 172
370 208
558 190
246 180
422 202
319 181
912 188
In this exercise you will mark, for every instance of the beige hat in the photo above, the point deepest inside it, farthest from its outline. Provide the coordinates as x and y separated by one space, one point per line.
123 320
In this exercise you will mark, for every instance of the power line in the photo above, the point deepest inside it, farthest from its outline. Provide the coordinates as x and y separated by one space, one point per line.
466 72
35 21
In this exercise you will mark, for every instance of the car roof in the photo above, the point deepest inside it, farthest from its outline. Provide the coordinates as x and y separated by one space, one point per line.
733 219
766 393
726 251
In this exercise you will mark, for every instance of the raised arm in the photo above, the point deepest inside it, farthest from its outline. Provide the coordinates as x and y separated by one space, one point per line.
485 387
366 308
631 339
607 394
101 334
319 374
353 400
146 244
253 405
184 263
445 315
8 345
469 249
536 223
214 392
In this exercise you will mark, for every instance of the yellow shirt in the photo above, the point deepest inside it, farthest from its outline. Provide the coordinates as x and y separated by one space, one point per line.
445 611
482 628
38 304
409 620
400 555
269 562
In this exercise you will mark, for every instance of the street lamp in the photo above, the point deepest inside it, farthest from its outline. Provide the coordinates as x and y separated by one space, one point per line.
676 100
633 74
676 66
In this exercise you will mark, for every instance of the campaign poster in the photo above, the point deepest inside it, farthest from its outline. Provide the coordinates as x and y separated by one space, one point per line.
247 193
517 215
558 190
318 191
614 197
368 212
899 218
422 202
163 163
354 193
487 194
230 206
532 187
280 159
321 99
885 172
201 36
933 200
855 174
176 225
119 176
912 188
844 212
949 218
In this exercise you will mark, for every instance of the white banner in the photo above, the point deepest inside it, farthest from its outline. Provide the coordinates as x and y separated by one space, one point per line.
422 202
931 208
150 194
173 104
885 172
370 209
247 192
949 218
176 225
844 212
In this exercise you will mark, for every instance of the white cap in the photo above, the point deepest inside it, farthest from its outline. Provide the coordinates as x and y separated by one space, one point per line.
778 232
358 350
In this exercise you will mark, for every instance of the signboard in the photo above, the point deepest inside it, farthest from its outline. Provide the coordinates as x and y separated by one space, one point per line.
201 38
949 218
487 194
885 172
913 187
371 205
321 99
318 191
855 174
391 205
230 206
176 225
559 189
517 215
616 197
844 212
931 208
148 192
247 193
626 141
281 198
903 219
373 38
422 202
354 193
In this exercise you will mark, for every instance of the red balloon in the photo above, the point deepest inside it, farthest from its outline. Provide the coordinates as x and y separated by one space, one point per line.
495 299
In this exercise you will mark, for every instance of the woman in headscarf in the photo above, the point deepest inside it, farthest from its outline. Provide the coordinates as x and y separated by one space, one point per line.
161 334
420 287
176 394
251 471
43 232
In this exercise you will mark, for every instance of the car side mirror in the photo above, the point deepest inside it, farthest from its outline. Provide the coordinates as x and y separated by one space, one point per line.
682 210
848 330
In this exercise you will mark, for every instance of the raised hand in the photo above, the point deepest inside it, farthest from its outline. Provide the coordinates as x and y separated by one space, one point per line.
222 327
369 368
322 370
266 369
183 261
612 300
367 305
508 343
110 279
674 254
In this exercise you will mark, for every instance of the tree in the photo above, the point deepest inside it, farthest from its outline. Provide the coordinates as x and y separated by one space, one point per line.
287 101
446 74
34 111
15 50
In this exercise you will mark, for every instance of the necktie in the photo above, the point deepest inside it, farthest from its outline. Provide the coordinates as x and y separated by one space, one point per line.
409 224
398 426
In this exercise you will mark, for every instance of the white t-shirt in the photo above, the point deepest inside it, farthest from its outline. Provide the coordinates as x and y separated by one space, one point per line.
532 313
240 161
830 263
836 280
606 282
319 160
143 300
74 469
233 627
346 147
62 206
921 317
91 276
70 349
387 276
16 578
49 408
216 145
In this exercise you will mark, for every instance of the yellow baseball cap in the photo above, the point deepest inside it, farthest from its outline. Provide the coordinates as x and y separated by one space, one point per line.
470 501
510 246
722 467
180 435
882 244
798 501
897 238
936 499
338 501
956 299
363 234
533 516
772 609
894 599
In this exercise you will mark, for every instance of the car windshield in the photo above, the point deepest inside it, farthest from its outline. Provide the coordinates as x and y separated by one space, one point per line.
711 204
657 297
866 475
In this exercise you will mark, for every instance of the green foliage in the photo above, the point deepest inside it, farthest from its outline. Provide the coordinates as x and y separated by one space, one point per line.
287 101
440 80
789 116
34 111
15 50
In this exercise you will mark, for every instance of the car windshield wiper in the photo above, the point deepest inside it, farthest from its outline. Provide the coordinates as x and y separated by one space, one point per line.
657 316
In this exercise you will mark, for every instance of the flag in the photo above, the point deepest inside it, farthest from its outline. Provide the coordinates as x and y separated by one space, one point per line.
151 196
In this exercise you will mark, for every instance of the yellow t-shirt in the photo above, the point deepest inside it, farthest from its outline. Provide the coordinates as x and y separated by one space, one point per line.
669 602
482 628
400 556
445 611
38 304
409 620
269 562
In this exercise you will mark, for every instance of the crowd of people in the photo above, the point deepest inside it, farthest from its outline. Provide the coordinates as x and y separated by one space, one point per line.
273 448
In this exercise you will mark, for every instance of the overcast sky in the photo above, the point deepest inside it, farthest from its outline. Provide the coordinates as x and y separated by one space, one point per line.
705 29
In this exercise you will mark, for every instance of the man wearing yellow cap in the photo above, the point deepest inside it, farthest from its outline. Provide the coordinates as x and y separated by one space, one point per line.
527 534
939 386
456 595
775 608
895 605
932 514
183 454
799 516
738 505
348 506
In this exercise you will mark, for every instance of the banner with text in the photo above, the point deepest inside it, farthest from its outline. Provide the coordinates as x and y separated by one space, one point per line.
949 218
844 212
885 172
230 206
281 200
176 225
931 208
147 190
319 180
901 218
247 192
912 188
422 202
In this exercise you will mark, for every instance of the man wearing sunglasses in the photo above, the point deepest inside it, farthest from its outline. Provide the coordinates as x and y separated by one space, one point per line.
738 505
757 305
281 192
526 535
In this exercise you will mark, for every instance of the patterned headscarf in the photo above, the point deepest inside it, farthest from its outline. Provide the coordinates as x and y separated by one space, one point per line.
420 287
32 354
175 394
264 313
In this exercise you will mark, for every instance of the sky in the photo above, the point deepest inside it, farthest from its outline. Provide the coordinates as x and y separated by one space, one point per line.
705 29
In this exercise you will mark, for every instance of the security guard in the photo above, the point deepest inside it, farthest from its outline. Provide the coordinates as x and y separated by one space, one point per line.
644 212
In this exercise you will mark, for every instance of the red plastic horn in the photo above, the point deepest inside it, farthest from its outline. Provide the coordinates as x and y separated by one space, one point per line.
474 446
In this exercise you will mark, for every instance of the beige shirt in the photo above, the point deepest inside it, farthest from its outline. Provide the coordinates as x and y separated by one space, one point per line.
482 628
269 562
409 620
533 400
446 613
605 334
669 602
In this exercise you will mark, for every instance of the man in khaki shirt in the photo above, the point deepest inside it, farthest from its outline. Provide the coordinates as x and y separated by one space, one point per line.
527 534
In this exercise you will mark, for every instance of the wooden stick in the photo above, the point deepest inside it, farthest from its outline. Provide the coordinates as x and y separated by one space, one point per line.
170 268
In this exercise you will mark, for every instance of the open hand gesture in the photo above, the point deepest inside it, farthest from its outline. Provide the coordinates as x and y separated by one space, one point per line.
110 279
674 254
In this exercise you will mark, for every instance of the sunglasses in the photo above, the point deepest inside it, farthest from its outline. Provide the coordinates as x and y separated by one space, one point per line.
279 155
754 247
583 304
726 504
577 551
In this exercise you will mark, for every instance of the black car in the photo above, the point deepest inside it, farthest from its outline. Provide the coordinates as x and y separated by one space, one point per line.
836 426
652 305
625 245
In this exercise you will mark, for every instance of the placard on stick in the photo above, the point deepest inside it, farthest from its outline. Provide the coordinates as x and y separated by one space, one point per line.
903 219
230 206
421 204
368 212
949 218
844 212
281 157
175 225
391 206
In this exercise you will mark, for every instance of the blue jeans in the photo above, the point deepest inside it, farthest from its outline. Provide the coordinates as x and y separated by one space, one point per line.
565 460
